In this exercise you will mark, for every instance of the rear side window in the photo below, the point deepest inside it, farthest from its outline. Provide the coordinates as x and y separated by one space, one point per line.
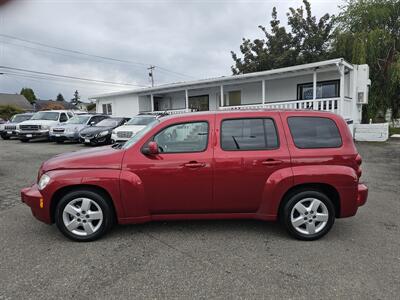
314 132
248 134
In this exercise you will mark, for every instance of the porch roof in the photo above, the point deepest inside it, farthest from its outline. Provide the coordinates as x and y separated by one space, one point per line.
230 79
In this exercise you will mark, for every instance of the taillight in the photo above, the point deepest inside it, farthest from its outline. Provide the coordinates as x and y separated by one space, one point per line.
359 162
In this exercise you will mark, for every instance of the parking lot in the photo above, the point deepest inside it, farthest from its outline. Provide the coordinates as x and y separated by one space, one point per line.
359 258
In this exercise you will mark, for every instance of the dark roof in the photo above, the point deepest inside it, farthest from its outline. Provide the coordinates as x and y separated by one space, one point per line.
40 104
16 100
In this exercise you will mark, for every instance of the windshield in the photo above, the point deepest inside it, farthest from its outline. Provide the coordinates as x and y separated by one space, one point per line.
108 122
140 134
140 121
46 115
20 118
78 120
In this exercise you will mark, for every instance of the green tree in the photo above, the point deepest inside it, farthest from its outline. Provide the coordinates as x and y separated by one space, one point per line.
368 32
29 94
60 97
7 111
307 40
76 98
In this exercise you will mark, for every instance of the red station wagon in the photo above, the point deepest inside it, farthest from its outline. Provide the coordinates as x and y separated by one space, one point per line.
299 167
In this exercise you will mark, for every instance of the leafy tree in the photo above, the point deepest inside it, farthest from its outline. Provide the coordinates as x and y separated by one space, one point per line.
307 41
76 98
29 94
368 32
7 111
60 97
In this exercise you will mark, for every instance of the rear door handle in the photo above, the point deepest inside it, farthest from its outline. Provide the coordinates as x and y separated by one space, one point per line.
194 164
271 162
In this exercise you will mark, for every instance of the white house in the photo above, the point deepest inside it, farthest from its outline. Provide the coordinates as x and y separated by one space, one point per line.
334 85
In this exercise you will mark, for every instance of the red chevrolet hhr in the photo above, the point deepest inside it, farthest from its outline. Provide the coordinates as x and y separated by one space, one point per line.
300 167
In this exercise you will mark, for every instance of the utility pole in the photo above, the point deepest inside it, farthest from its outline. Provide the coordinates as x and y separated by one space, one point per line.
151 68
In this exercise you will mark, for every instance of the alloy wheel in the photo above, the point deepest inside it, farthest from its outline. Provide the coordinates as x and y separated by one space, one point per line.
82 216
309 216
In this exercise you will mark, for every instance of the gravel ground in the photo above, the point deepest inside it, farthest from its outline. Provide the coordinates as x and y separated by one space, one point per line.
359 258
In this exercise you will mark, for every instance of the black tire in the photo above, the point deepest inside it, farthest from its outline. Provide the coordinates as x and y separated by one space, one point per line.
24 140
5 137
100 200
60 141
294 199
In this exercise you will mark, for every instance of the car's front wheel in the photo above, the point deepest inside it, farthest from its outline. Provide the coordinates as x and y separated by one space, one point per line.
84 215
308 215
5 137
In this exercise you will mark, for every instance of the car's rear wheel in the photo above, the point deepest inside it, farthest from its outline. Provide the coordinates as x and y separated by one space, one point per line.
84 215
308 215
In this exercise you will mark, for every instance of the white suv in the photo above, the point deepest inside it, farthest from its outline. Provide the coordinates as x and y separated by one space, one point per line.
40 123
133 126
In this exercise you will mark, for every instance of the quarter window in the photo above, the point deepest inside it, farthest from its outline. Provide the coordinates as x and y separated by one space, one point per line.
314 132
249 134
184 137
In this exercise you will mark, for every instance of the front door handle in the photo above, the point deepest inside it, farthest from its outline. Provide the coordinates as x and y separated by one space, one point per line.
271 162
194 164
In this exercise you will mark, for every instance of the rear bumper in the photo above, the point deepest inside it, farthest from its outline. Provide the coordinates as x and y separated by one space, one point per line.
32 197
362 194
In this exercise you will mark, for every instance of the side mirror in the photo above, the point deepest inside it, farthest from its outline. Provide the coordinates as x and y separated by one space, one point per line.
151 149
92 123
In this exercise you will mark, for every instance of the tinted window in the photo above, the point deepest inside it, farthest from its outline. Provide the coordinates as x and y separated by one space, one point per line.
63 118
312 132
248 134
185 137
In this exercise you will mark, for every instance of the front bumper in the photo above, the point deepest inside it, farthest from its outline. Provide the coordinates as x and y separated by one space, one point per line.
96 140
71 136
362 194
40 208
8 133
33 134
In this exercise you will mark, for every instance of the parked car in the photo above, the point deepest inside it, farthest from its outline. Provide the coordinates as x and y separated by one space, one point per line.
299 167
8 129
38 127
69 131
100 134
133 126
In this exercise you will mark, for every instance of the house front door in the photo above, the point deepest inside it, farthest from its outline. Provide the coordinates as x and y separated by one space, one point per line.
199 103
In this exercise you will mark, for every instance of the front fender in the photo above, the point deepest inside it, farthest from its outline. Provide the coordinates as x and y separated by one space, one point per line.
105 179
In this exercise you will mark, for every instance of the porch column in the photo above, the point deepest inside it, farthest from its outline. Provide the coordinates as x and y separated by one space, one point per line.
263 92
186 99
152 102
341 91
314 88
221 104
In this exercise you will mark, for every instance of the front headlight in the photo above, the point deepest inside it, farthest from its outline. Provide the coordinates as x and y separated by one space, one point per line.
45 127
103 133
113 132
43 181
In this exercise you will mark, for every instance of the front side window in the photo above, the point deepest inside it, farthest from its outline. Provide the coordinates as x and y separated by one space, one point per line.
184 137
79 119
314 132
63 118
248 134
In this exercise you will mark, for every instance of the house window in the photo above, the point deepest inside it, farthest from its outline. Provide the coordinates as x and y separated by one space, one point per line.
107 109
325 89
232 98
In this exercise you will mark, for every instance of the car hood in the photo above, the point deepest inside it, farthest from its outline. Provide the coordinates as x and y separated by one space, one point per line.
95 129
98 158
39 122
132 128
75 127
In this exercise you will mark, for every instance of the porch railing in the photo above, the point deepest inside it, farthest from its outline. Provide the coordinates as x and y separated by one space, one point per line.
329 104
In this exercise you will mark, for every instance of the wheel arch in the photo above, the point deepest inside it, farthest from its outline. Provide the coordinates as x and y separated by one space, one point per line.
76 187
327 189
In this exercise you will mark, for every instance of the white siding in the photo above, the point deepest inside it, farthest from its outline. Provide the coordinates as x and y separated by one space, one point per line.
122 106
